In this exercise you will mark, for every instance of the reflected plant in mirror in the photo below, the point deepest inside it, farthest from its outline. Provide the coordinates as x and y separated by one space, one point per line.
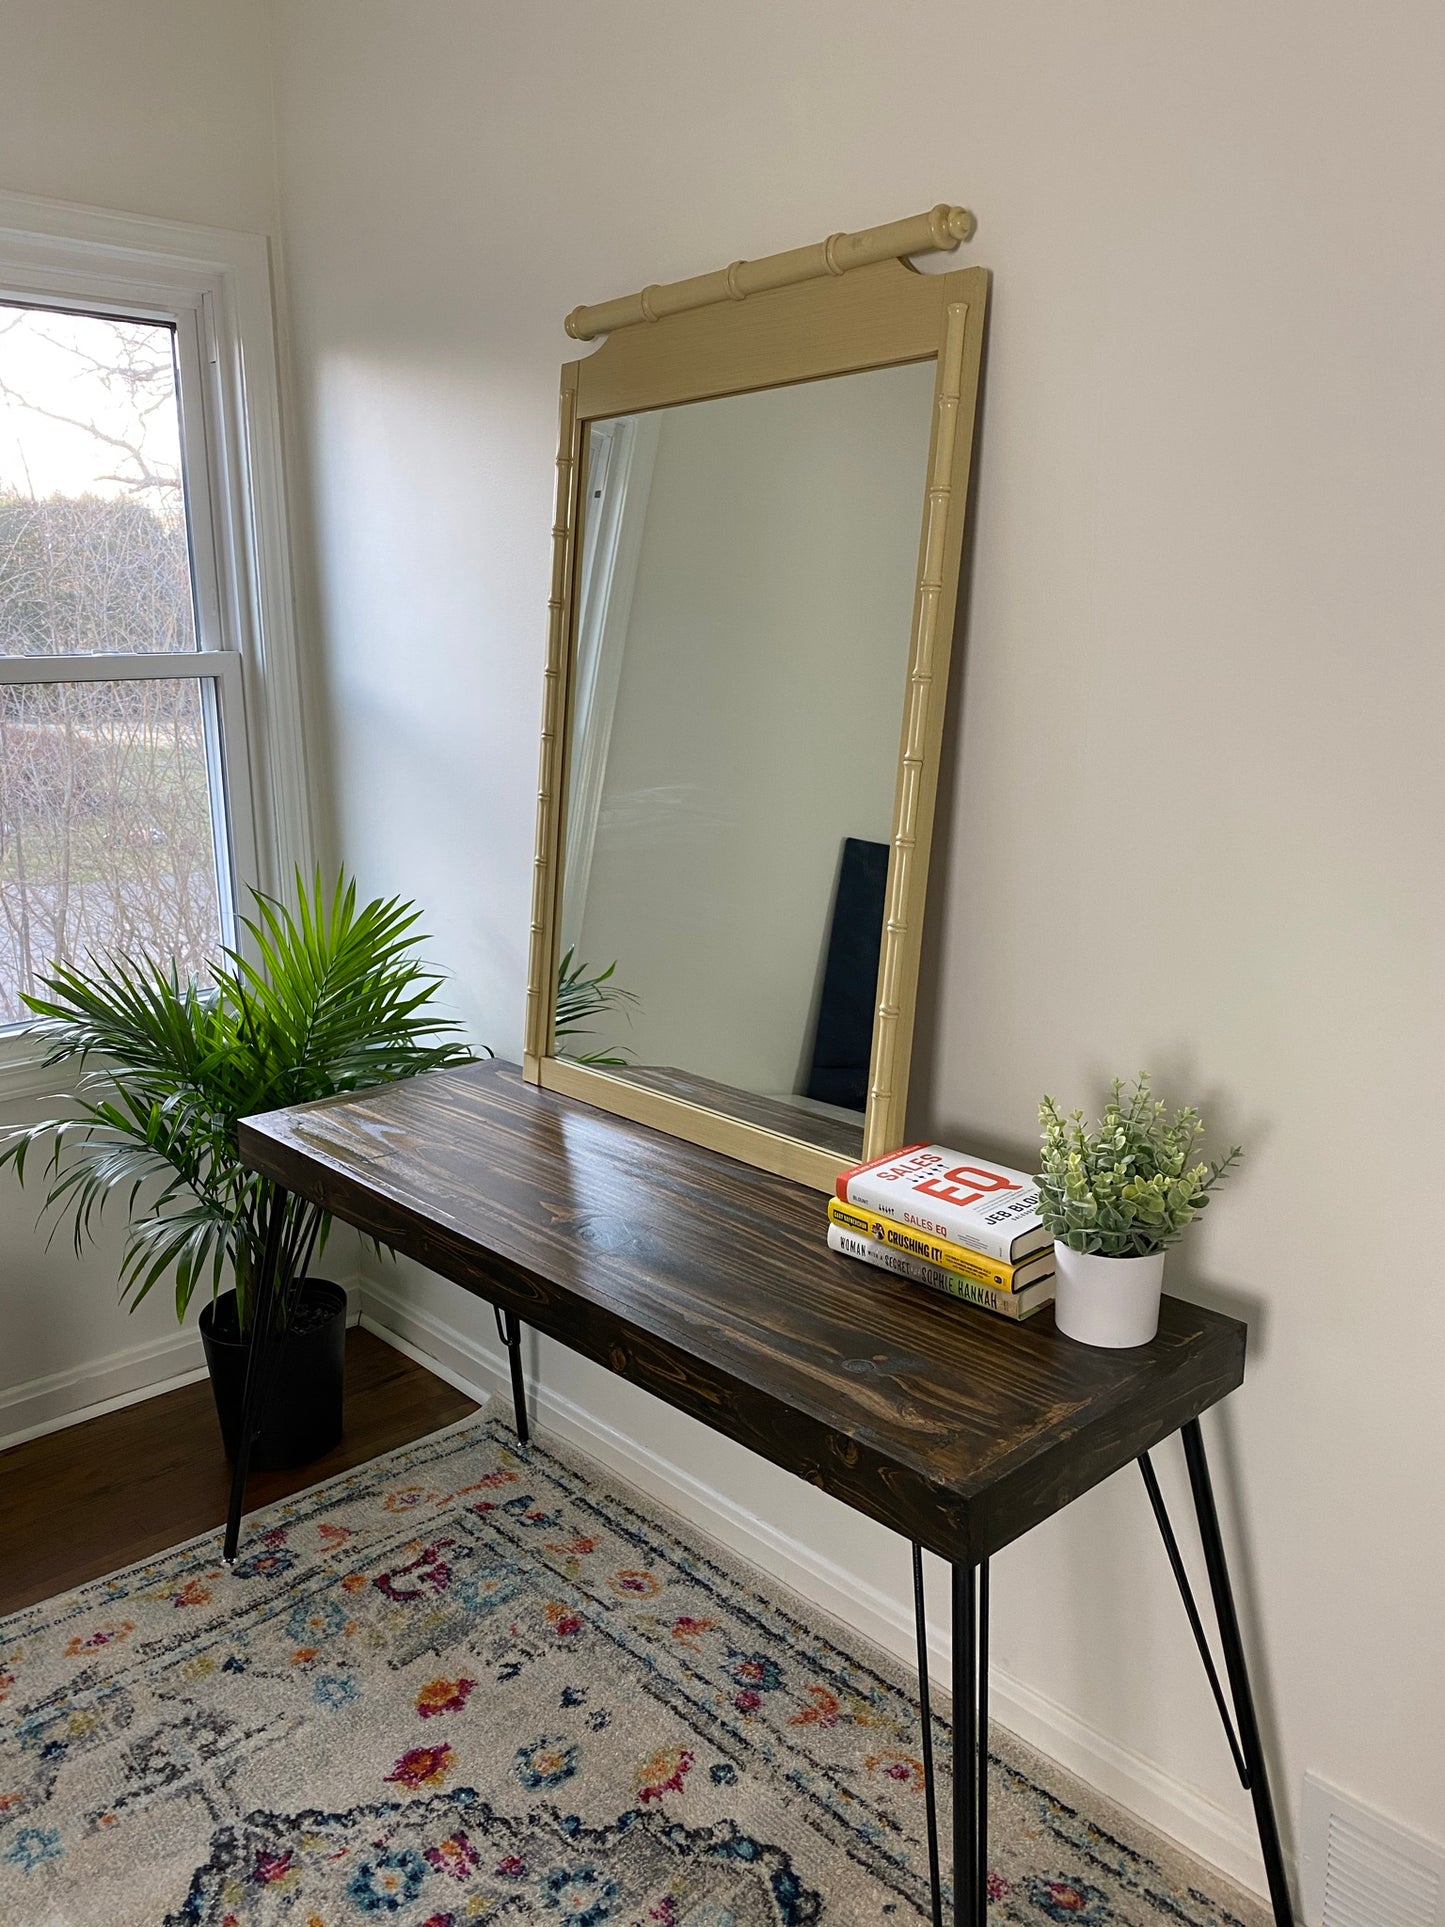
583 995
745 594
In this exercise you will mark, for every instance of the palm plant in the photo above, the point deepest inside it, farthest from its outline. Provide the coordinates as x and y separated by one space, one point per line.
329 999
582 995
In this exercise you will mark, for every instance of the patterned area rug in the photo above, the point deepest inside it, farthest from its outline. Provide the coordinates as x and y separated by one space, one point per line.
476 1682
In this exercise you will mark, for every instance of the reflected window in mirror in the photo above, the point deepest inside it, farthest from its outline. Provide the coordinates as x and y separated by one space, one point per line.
741 640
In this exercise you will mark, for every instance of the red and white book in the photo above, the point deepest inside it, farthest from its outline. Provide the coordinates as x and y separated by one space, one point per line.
985 1207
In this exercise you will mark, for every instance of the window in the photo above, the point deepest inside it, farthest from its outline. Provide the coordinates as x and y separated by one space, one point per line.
149 769
114 716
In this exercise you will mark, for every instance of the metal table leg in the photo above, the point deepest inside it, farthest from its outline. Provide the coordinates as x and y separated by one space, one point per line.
1243 1730
982 1770
509 1330
925 1709
258 1368
970 1744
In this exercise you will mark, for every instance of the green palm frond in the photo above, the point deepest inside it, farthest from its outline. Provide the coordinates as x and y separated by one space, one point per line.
331 999
334 1000
134 1011
582 995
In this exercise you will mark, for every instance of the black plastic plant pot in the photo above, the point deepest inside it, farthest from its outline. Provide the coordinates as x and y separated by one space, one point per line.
303 1411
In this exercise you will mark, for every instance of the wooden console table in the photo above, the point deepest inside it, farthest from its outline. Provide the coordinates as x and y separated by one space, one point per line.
710 1285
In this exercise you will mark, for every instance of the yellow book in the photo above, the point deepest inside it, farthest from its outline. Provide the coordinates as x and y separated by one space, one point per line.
938 1251
1007 1304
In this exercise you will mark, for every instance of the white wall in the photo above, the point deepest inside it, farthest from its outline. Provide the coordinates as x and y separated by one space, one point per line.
158 107
1198 783
163 108
758 714
66 1344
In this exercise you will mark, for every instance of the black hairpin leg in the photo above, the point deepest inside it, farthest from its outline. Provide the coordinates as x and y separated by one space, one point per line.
970 1744
1243 1729
258 1369
509 1330
983 1743
925 1711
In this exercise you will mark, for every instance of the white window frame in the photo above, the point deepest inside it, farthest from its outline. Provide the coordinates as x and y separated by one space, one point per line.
215 287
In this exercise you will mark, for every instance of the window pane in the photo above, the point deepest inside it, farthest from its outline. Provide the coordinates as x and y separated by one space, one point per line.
93 548
106 828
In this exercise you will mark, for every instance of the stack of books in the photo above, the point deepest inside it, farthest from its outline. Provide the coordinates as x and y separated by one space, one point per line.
951 1221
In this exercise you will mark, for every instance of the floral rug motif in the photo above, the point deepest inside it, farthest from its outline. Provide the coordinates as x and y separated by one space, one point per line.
474 1682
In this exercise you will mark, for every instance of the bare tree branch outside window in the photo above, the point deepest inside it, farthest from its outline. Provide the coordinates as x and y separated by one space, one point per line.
106 790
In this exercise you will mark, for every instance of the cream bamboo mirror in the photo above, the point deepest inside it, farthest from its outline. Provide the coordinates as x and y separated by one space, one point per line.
762 477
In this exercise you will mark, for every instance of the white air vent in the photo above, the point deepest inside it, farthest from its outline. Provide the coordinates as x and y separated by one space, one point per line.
1361 1870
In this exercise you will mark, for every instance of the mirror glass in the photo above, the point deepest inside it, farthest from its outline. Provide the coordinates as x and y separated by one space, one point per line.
744 605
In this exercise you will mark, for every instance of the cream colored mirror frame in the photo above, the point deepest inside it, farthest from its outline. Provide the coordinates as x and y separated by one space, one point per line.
848 304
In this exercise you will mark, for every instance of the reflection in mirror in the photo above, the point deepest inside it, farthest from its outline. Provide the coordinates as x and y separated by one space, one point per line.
744 607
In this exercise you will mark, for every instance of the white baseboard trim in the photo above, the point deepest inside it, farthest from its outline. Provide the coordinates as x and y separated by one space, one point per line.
40 1405
1170 1805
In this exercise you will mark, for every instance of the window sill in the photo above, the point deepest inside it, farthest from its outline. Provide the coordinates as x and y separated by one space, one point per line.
23 1070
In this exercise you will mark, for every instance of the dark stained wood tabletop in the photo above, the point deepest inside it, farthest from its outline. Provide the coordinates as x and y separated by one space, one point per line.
710 1284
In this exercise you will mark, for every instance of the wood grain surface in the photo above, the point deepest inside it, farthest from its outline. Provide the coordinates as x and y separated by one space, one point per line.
710 1284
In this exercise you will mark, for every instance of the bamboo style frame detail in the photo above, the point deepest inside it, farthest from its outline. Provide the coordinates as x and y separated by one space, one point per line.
930 653
941 228
823 322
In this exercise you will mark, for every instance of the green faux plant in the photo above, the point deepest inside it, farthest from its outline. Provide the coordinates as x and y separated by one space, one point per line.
326 998
1130 1186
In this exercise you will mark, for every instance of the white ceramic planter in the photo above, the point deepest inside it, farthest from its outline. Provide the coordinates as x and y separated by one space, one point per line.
1113 1302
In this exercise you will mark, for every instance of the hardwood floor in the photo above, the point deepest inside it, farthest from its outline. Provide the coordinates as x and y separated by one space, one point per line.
83 1501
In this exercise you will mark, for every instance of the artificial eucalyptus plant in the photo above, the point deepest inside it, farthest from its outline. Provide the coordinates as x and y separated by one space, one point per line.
1131 1185
326 997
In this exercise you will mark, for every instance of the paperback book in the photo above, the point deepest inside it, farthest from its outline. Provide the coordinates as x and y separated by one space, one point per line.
940 1251
1010 1304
